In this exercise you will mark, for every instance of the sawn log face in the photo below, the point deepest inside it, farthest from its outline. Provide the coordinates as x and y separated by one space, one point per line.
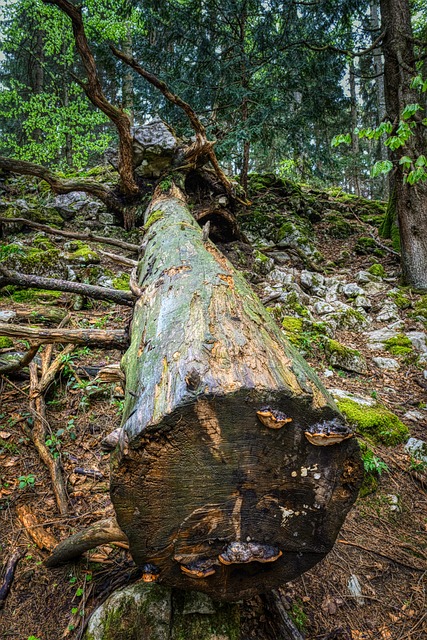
215 483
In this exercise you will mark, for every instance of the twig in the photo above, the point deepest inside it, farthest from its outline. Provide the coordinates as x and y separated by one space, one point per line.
383 555
127 262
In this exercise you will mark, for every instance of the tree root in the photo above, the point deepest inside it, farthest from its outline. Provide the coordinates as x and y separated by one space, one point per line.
99 533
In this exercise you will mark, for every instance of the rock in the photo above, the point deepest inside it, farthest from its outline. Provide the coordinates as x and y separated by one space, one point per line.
348 318
361 302
394 502
341 394
345 357
314 282
328 373
417 449
418 339
322 308
7 316
355 589
154 148
68 204
106 218
414 416
375 339
388 313
352 290
278 276
388 364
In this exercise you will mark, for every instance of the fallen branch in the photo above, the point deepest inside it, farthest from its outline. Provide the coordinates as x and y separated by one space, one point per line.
382 555
99 533
42 538
72 234
39 430
127 262
90 337
23 362
60 185
52 284
9 573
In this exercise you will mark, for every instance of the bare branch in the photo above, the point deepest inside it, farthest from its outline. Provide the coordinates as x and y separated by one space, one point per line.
202 145
94 92
89 337
87 235
23 362
60 185
52 284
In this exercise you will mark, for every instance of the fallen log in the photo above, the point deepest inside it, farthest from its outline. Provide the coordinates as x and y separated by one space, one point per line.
25 281
234 471
110 338
9 573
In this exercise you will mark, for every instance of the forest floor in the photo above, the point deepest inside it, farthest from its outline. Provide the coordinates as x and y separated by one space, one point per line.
382 546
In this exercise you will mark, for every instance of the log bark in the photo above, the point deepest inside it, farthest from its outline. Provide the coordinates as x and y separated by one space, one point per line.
90 337
218 480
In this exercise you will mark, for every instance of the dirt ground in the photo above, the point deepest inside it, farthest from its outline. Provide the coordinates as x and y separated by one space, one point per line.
381 548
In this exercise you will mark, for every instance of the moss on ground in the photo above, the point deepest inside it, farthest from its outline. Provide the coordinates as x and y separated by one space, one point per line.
5 343
377 270
375 422
121 282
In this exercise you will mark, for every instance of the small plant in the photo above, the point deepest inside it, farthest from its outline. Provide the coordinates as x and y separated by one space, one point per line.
298 615
26 481
372 463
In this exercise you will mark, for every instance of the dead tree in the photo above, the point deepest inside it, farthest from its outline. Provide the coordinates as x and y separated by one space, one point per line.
234 470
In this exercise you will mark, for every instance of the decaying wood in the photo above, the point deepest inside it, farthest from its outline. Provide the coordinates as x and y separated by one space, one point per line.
86 236
39 430
99 533
53 284
283 627
111 441
111 373
42 538
9 573
110 338
24 361
217 480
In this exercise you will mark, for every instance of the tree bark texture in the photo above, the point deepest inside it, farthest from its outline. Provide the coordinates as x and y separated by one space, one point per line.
216 481
411 200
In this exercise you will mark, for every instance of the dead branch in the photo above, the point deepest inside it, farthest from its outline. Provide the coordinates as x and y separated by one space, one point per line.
9 573
89 337
286 628
383 555
72 234
23 362
39 430
94 92
42 538
202 146
101 532
127 262
60 185
25 281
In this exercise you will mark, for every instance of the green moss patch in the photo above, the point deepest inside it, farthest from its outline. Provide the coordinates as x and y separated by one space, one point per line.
375 422
366 245
377 270
400 299
399 345
121 282
5 343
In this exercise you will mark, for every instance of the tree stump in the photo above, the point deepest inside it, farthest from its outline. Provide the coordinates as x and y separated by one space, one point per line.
235 470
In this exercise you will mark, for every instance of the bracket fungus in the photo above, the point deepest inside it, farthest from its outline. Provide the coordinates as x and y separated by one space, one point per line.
272 418
326 433
244 552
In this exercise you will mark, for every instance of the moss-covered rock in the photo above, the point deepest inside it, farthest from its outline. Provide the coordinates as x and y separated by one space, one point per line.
34 260
375 422
377 269
5 342
338 226
366 245
121 282
399 345
400 299
31 295
344 357
420 309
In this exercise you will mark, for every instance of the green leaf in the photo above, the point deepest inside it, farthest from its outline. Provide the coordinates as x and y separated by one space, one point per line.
79 592
410 110
421 161
381 167
406 161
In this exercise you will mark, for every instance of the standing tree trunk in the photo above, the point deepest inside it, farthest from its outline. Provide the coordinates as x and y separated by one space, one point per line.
219 482
379 90
354 137
411 200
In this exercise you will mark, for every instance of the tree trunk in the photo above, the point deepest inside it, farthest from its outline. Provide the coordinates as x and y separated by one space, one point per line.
218 481
382 153
411 200
354 136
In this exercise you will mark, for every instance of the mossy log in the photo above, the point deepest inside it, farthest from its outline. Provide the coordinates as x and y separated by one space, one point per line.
219 482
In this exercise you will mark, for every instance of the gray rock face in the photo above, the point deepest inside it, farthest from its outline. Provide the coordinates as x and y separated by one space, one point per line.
417 449
388 364
345 358
388 313
7 316
351 290
418 339
68 204
154 147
